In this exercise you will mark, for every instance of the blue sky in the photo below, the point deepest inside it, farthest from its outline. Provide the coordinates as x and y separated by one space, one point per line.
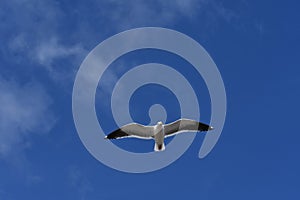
255 45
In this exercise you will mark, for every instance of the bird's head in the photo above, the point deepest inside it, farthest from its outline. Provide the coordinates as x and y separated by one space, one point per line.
159 123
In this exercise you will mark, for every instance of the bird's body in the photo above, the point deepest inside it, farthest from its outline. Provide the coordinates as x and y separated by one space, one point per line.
159 136
159 131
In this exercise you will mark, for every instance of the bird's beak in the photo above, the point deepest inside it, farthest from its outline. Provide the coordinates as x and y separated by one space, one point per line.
210 128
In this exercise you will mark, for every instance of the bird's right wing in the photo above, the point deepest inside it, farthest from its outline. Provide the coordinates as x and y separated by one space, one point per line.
132 130
185 125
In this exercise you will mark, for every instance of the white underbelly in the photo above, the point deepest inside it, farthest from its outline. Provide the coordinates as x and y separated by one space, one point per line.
159 140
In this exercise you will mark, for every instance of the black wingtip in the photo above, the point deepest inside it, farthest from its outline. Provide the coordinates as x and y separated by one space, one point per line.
116 134
110 137
204 127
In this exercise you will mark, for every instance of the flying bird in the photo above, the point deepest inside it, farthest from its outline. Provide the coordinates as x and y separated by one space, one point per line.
159 131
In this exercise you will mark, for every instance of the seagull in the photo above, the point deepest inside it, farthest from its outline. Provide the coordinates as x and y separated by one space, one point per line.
159 131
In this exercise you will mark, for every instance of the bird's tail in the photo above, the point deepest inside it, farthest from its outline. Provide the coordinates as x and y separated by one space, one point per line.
159 147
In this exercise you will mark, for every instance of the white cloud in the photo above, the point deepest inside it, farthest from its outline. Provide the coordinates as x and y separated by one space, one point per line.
32 35
24 111
126 14
80 182
48 51
37 27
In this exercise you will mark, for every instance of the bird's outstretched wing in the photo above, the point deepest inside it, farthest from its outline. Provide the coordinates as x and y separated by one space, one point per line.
132 130
185 125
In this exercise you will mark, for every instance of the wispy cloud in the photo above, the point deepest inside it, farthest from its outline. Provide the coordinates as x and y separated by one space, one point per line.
128 14
33 35
80 182
25 111
48 51
35 29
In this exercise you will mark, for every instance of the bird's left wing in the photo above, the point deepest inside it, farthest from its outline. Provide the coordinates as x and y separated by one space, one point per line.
185 125
132 130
